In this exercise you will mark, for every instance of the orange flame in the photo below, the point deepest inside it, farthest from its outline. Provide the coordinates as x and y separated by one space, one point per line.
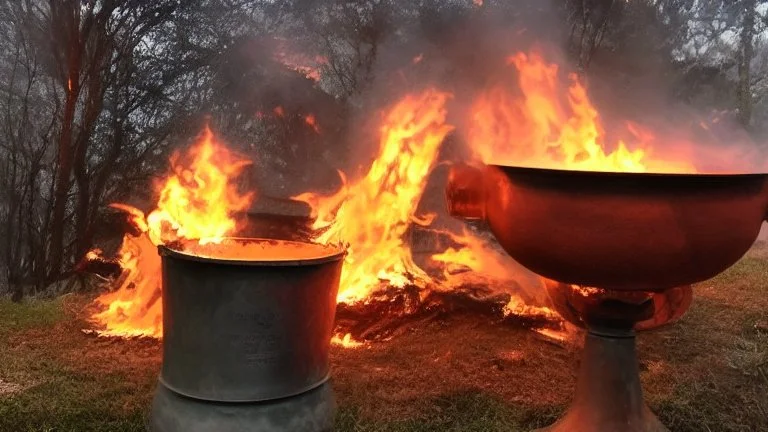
480 256
136 216
94 254
346 341
135 308
198 201
372 215
551 126
301 63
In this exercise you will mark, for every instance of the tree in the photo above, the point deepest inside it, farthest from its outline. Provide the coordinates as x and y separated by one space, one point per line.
65 60
746 54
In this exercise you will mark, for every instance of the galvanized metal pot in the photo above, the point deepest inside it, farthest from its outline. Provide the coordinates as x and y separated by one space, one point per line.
308 412
243 330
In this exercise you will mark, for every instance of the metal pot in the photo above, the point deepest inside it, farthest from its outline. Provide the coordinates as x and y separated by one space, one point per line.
312 411
248 330
637 239
618 231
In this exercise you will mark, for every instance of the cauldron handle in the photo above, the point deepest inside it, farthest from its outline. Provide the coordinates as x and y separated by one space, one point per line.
465 192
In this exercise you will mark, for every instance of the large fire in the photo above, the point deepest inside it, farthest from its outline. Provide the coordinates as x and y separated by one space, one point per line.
198 201
549 123
546 122
372 215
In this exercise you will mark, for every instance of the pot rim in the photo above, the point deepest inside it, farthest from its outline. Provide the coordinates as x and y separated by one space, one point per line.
337 255
618 174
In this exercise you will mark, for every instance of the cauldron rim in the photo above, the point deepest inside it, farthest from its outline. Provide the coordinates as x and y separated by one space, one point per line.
336 253
623 174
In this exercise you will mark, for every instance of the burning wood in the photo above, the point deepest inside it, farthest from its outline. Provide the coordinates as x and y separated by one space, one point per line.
391 311
95 263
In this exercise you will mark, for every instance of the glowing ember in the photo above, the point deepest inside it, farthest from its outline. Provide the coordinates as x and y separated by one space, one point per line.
586 291
94 254
373 214
555 335
309 67
553 125
197 202
311 121
237 249
346 341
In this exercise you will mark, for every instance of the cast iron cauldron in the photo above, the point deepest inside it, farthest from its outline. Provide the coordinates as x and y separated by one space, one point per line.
248 326
617 231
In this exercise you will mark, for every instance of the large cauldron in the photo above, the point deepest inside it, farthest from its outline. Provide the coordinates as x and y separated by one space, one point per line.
620 231
622 250
246 333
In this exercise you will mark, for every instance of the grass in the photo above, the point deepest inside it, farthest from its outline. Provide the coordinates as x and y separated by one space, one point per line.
31 314
707 372
42 391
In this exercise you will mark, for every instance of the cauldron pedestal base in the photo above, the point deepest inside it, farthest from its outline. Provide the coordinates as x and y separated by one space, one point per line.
609 397
312 411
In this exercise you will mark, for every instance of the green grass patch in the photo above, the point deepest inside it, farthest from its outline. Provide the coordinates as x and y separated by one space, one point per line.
71 402
37 393
28 314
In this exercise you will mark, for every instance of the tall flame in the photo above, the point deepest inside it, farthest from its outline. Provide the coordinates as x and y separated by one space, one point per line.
372 215
550 124
198 201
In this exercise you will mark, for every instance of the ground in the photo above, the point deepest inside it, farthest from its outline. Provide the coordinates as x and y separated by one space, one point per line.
707 372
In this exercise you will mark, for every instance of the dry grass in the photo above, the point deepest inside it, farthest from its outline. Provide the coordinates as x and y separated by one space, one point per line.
706 372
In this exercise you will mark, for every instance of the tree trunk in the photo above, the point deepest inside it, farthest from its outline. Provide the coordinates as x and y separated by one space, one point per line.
65 156
746 54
